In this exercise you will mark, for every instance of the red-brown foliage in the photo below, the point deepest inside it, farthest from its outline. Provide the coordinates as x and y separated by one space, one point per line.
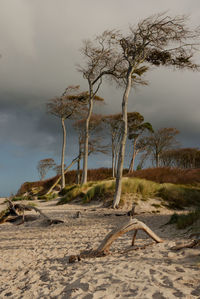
27 186
169 175
159 175
93 175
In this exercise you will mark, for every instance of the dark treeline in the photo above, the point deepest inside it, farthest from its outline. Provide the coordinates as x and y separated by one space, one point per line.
181 158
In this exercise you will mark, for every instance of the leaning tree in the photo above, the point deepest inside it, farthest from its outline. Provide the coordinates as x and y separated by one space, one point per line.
67 106
101 59
159 141
113 123
44 166
95 144
136 128
158 40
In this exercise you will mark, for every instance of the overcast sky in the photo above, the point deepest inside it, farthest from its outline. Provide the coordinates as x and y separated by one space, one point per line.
40 45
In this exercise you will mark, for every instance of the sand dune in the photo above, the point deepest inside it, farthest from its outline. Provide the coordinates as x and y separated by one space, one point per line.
34 258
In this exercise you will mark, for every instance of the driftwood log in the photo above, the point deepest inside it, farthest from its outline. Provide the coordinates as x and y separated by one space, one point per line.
12 214
103 249
66 170
190 244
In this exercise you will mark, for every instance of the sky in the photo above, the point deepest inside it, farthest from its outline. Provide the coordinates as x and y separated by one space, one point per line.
40 45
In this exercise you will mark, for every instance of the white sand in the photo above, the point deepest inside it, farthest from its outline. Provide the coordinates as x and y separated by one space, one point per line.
34 259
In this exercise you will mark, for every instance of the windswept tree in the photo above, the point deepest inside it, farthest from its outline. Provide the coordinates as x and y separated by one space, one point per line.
57 169
68 106
101 59
95 144
136 128
113 122
158 40
181 158
160 141
44 166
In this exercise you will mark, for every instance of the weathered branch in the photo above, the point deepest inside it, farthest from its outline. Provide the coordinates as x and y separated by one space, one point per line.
103 249
66 170
191 244
12 213
132 224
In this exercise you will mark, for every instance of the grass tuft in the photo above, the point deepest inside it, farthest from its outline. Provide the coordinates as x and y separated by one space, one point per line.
184 220
179 196
72 193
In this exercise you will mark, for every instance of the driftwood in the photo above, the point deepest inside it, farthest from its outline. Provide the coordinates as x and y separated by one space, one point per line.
191 244
12 214
66 170
129 213
103 249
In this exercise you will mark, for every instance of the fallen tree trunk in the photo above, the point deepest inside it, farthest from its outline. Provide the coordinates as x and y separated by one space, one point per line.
12 214
66 170
103 249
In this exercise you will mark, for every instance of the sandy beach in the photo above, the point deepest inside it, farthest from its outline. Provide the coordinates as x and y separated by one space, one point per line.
34 258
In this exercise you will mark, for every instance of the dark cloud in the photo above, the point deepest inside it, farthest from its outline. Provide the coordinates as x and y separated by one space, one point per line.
40 42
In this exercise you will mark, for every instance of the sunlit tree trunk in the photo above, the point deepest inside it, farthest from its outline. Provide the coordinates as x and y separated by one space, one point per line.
116 160
63 154
131 167
85 157
113 156
78 174
118 187
157 159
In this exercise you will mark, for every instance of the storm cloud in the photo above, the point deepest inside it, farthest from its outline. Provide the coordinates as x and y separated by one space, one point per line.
40 43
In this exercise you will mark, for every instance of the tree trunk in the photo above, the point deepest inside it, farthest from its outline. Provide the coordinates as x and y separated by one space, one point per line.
85 157
123 141
78 174
157 160
131 167
63 154
113 157
60 177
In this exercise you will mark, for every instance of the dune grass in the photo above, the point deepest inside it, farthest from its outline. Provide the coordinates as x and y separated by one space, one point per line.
172 196
19 198
182 221
179 196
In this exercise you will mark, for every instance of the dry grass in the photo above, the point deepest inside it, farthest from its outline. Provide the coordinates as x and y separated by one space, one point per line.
184 220
169 175
173 196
